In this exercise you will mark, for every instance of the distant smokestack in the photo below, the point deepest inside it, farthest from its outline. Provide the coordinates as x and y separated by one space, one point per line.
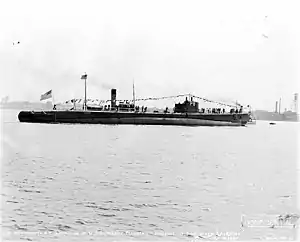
279 105
113 97
296 102
276 107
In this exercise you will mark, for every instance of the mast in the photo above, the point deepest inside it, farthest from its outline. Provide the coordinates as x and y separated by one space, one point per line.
85 94
84 77
53 102
133 93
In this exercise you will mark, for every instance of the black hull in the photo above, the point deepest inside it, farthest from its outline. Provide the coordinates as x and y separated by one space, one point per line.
109 117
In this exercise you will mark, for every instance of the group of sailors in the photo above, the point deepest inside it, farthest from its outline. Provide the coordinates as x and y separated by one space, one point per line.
129 108
143 109
236 110
220 110
212 110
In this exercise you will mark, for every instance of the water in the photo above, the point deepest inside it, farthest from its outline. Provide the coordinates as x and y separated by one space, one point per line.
113 183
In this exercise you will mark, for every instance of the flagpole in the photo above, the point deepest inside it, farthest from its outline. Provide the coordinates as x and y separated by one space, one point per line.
84 102
53 98
85 93
133 94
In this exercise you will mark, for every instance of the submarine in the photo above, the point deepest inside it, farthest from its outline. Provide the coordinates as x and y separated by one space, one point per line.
187 113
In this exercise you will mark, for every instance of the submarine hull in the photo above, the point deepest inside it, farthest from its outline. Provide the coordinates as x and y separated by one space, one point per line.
107 117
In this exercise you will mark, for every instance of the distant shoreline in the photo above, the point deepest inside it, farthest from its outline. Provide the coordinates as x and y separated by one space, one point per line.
25 105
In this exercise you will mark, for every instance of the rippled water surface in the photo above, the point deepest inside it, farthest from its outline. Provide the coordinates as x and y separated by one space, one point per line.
106 183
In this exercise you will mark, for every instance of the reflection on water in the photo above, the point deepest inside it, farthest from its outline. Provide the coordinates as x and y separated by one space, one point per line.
101 182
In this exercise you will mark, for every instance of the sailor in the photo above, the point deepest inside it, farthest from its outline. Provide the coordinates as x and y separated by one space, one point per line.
142 109
223 110
145 109
241 109
54 107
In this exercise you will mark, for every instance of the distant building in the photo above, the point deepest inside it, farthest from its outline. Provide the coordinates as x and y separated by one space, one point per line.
5 99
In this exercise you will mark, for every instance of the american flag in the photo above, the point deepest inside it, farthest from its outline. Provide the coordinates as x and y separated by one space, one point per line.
46 95
84 77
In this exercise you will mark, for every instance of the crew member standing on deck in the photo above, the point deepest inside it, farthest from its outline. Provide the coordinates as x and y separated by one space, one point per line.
241 109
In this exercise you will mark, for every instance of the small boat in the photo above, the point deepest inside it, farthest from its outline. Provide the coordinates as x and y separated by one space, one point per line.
272 123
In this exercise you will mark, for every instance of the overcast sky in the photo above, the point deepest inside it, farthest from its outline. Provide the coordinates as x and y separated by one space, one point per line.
223 50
